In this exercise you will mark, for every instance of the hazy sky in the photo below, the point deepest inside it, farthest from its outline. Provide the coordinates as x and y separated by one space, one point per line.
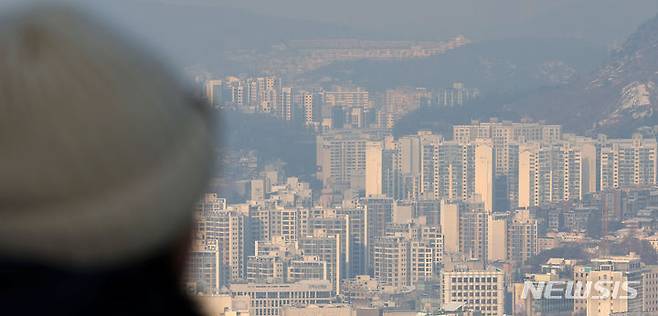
200 30
596 20
377 13
484 19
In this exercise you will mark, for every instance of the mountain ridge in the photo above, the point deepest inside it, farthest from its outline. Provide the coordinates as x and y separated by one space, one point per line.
616 99
499 66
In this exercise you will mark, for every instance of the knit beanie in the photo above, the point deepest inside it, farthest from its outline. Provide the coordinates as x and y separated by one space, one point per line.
103 154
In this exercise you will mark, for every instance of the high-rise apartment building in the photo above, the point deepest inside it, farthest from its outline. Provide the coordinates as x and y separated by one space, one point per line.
307 268
265 269
650 290
473 219
229 229
433 238
214 91
373 166
580 274
203 267
430 210
454 176
286 109
401 101
378 213
263 93
343 156
268 222
431 168
326 248
336 225
450 215
427 167
414 164
561 305
260 226
408 254
276 246
287 223
589 155
506 137
464 225
522 237
311 106
358 234
279 261
393 184
549 173
421 261
497 234
391 261
236 91
347 98
628 162
457 95
484 169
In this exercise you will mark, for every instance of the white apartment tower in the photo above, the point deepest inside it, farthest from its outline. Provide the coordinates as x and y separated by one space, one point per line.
484 173
373 172
497 236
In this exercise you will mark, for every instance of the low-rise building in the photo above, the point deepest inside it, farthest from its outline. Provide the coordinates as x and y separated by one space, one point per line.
479 290
268 299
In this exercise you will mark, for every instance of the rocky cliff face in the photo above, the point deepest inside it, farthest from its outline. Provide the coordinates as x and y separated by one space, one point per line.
618 98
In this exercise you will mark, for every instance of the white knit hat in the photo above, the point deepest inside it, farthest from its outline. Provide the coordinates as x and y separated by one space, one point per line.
102 153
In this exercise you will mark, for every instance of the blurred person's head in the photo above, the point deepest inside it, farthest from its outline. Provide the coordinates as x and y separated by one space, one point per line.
102 157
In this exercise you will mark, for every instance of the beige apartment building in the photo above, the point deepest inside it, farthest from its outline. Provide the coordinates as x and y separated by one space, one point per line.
214 222
628 162
506 137
203 271
390 261
522 237
344 157
497 236
485 169
326 248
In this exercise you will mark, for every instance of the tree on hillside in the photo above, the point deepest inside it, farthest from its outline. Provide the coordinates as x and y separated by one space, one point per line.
567 252
630 244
